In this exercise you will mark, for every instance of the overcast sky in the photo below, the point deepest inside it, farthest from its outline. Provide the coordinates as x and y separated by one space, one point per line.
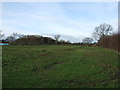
72 20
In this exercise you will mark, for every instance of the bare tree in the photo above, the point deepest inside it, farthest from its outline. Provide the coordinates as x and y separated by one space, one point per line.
87 40
14 36
101 31
57 38
68 42
1 35
10 38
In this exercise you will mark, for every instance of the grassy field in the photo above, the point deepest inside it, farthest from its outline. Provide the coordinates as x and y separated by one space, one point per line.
54 66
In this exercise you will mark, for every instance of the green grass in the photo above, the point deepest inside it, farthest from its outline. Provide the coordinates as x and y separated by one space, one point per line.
57 66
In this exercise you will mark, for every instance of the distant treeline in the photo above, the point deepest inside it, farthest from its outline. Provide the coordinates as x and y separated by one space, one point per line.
110 42
38 40
107 41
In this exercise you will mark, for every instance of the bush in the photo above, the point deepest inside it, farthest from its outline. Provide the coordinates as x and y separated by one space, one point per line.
34 40
110 42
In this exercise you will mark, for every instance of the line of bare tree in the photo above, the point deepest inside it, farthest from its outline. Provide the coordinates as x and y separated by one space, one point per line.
103 35
16 38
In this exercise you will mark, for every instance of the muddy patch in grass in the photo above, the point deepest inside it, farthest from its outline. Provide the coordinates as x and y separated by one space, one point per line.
70 49
113 76
46 54
91 53
69 81
49 66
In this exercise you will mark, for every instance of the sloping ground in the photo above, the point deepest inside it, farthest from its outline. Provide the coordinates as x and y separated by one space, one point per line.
50 66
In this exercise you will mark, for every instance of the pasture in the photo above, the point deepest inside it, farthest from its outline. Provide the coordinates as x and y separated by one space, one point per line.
58 66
